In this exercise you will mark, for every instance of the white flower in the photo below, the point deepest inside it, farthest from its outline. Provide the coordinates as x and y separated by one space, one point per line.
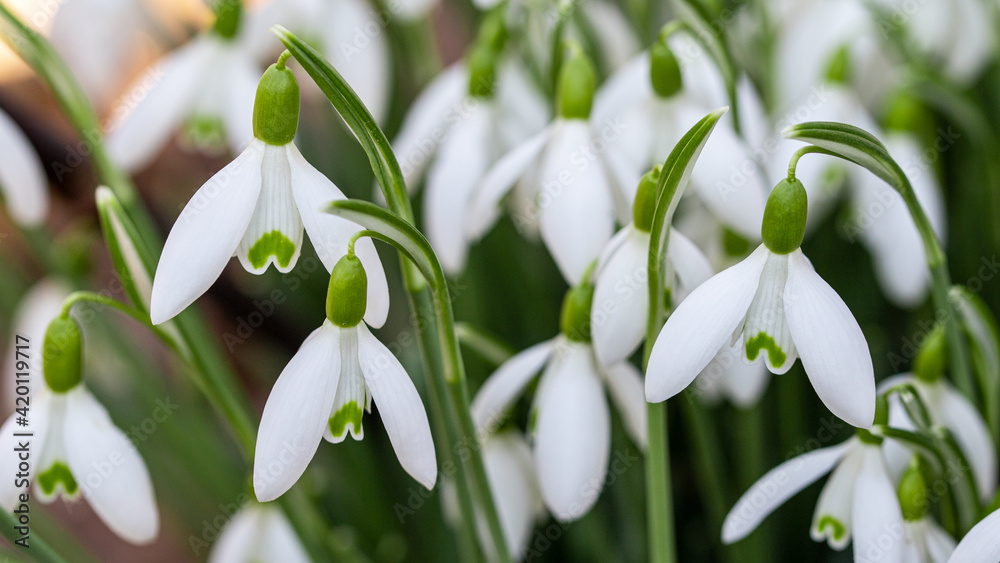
77 449
42 303
621 289
948 407
456 137
322 392
571 421
981 544
727 376
858 502
23 187
258 533
782 309
349 33
211 79
927 542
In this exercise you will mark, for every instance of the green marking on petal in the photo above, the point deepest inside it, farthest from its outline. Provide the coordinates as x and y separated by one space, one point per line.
274 243
763 341
838 527
58 473
349 414
204 132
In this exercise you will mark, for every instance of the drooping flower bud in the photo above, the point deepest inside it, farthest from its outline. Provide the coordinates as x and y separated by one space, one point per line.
276 107
932 357
908 113
912 492
575 317
482 63
492 32
664 69
347 295
62 355
577 84
227 18
784 224
645 200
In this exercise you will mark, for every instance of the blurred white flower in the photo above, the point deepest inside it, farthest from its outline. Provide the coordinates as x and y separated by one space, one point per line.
728 377
258 534
23 185
927 542
981 544
858 502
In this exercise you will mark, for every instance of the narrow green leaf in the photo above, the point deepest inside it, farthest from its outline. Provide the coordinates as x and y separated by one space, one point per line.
852 144
983 336
134 263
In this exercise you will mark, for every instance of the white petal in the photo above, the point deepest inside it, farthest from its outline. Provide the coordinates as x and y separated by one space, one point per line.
279 541
766 332
621 298
409 10
400 407
109 470
702 324
522 108
499 180
158 103
38 425
689 263
360 56
23 185
462 160
777 486
274 235
625 388
833 349
577 217
613 32
628 86
42 303
973 436
330 234
238 537
981 544
832 519
572 434
241 80
727 374
426 121
296 413
940 544
206 235
514 487
877 518
502 387
352 393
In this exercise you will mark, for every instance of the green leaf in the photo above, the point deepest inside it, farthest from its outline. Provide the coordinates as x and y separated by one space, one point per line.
983 336
852 144
700 22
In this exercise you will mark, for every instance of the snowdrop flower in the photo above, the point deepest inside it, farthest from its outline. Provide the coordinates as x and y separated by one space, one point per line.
42 303
206 84
256 208
621 289
570 422
563 186
857 503
23 186
326 387
349 33
258 533
981 544
728 377
776 302
77 447
659 97
925 541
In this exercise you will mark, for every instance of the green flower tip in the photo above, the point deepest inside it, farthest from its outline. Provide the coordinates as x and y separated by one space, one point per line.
932 357
347 296
734 243
482 64
227 17
276 108
784 224
910 114
912 493
62 354
645 200
492 32
838 68
664 69
575 318
577 83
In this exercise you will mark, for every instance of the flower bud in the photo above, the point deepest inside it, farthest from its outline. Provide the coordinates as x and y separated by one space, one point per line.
276 107
227 19
838 68
577 83
784 224
347 296
734 244
664 69
62 353
907 113
575 318
913 492
645 200
932 357
481 62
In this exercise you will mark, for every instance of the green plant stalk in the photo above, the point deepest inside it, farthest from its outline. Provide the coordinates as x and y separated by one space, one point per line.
708 457
39 550
390 178
485 345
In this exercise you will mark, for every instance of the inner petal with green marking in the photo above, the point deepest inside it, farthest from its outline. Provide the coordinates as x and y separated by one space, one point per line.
274 235
831 527
766 331
352 392
56 477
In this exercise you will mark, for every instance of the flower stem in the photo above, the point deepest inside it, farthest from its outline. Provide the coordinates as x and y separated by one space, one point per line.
40 551
660 512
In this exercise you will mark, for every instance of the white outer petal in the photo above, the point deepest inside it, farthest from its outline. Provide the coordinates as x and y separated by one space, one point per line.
426 121
297 413
23 185
830 343
38 307
502 387
628 86
361 57
702 324
109 470
689 263
279 541
973 436
621 298
38 424
239 537
512 481
876 519
981 544
625 387
206 235
399 405
777 486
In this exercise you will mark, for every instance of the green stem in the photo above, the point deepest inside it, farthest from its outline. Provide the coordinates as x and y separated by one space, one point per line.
660 514
38 550
489 347
708 458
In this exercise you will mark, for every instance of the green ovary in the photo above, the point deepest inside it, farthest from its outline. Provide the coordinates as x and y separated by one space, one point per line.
349 414
58 473
837 525
763 341
274 243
